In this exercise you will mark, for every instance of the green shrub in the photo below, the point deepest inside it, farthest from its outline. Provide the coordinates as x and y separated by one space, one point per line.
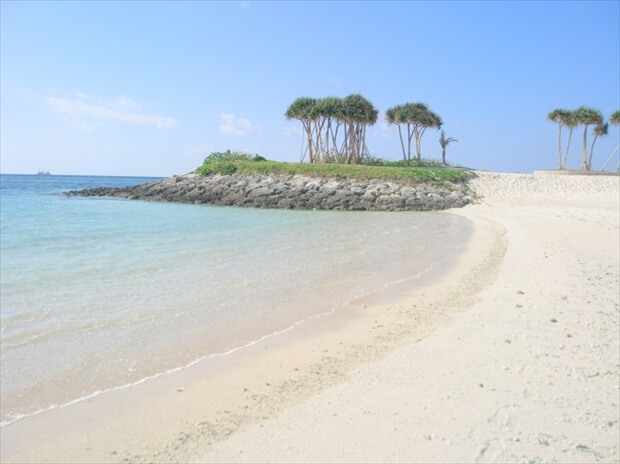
226 156
224 168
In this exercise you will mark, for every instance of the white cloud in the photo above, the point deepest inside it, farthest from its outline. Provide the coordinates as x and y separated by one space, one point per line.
120 109
232 125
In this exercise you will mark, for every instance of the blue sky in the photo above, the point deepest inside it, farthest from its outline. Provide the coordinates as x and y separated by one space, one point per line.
151 88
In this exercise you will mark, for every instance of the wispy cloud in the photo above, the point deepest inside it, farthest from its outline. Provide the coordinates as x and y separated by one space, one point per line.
231 125
383 130
120 109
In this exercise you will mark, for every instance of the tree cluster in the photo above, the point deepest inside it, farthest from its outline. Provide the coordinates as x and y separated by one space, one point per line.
416 118
582 116
334 128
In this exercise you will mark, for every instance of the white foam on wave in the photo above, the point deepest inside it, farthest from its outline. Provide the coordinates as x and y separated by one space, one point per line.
428 269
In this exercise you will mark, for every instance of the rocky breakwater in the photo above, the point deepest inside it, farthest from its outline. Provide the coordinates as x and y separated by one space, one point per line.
296 192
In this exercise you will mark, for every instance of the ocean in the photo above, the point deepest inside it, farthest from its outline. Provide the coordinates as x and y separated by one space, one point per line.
98 294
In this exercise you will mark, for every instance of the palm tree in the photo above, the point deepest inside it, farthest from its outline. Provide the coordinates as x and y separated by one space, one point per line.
570 121
615 120
564 118
559 116
417 117
395 115
301 109
587 117
600 129
444 142
357 114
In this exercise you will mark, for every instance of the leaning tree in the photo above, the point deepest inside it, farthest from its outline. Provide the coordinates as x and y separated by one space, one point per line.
417 117
444 142
587 117
615 120
602 128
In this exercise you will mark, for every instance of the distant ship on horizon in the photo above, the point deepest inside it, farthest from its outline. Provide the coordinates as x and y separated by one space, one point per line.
43 172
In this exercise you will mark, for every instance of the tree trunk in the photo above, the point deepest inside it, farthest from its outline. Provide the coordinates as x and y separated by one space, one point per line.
409 135
560 148
592 152
584 151
418 143
402 144
443 155
308 130
570 134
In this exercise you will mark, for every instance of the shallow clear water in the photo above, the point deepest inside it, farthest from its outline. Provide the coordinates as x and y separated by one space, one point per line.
98 294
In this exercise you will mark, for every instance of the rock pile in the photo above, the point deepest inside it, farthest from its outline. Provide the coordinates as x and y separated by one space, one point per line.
295 192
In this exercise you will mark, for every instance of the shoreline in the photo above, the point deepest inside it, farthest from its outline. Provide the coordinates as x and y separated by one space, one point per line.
304 389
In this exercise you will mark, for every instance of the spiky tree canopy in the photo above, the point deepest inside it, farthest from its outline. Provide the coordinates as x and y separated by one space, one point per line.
602 128
615 117
301 108
587 116
417 117
357 109
559 115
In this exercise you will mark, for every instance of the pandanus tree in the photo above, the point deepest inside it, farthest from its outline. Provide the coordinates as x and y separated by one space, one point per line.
328 120
322 119
444 142
587 117
302 110
417 117
357 114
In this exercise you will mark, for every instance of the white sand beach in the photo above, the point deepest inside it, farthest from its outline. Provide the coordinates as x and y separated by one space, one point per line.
512 355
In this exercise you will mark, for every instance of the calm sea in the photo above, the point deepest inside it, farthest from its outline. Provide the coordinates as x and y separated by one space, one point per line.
99 294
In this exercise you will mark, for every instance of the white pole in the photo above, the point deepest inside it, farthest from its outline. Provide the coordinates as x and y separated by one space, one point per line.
610 158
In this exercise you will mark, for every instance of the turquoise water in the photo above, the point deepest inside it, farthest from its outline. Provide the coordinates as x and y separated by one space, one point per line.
99 294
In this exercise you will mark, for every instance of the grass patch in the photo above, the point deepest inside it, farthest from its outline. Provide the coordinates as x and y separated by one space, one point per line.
347 171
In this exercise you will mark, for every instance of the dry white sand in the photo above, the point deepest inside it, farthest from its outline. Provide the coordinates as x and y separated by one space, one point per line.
528 373
512 356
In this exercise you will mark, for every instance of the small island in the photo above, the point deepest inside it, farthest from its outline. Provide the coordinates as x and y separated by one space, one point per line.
239 179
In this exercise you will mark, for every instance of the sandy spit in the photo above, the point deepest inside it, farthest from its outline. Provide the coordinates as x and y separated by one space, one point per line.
511 356
527 373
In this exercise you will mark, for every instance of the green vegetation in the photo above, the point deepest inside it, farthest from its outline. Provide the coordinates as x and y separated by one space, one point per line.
385 171
582 116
